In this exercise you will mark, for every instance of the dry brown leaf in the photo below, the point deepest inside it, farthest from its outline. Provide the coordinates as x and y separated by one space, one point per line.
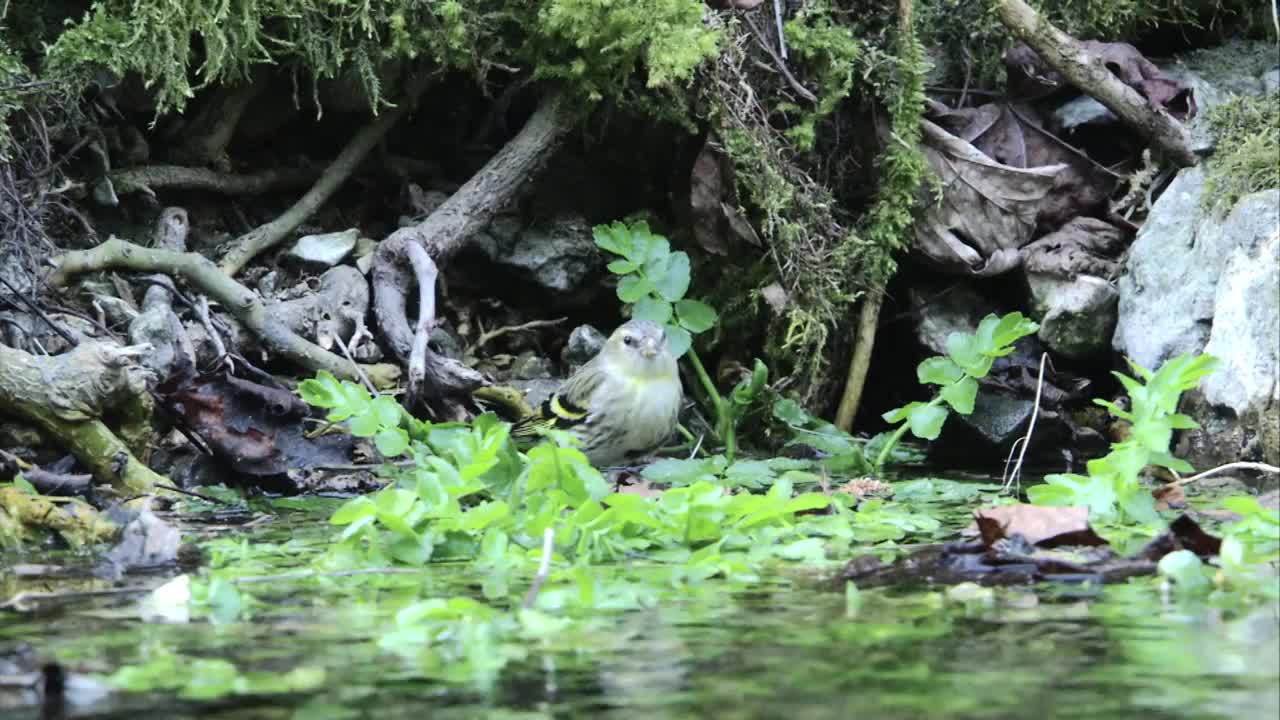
1043 526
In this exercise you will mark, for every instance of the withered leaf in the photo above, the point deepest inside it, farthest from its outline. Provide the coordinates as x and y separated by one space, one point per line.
1042 526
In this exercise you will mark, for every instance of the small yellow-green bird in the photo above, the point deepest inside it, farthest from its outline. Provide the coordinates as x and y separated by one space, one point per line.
624 402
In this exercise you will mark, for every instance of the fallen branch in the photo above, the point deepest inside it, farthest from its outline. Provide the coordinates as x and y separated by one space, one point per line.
489 336
426 272
860 363
1087 72
447 229
237 299
264 237
149 178
66 396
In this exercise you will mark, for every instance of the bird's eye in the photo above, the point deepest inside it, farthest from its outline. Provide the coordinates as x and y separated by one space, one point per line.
628 340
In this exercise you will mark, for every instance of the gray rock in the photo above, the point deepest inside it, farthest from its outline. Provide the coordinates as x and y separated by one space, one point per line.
446 342
1077 316
530 366
559 258
1271 81
1078 112
328 249
1208 281
537 391
998 419
584 343
942 310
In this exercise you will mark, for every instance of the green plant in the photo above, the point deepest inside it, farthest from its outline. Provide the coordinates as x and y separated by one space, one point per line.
1248 142
969 358
653 281
1111 490
381 418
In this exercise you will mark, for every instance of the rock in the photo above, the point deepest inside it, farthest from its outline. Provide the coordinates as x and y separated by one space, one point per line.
1202 280
584 343
557 258
1084 245
1077 316
537 391
531 366
328 249
999 419
942 310
364 250
446 342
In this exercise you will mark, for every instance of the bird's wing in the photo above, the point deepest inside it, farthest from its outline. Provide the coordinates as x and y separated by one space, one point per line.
567 406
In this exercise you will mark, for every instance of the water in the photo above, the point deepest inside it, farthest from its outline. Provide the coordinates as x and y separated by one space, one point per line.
790 647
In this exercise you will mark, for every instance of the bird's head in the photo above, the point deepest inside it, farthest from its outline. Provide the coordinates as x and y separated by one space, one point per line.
640 346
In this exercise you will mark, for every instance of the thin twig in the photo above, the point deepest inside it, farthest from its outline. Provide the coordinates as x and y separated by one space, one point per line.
544 568
1031 427
782 38
492 335
801 90
346 351
1259 467
36 309
202 313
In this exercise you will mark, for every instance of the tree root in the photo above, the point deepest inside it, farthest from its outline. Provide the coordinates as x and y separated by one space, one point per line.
75 520
447 229
149 178
67 396
868 319
208 135
264 237
240 301
1066 55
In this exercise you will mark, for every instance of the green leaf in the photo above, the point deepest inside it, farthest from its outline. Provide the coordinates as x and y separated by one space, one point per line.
926 421
1186 570
789 411
961 396
353 510
614 238
650 308
622 267
387 410
670 275
938 371
391 442
964 350
24 485
364 424
323 390
633 287
695 316
678 340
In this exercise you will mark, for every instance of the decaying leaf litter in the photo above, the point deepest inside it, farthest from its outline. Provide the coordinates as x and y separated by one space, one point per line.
354 418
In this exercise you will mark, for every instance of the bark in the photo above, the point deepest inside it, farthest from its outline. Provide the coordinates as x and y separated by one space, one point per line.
1087 72
209 134
237 299
149 178
442 233
264 237
67 396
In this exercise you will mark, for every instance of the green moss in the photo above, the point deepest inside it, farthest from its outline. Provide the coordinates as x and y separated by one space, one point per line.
178 47
1248 141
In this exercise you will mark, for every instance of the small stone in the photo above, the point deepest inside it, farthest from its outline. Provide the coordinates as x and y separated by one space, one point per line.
328 249
585 342
1077 316
531 366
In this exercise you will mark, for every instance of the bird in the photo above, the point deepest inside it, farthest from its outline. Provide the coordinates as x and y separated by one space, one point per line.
623 403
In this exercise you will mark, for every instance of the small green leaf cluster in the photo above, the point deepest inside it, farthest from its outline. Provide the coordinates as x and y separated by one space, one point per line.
654 280
379 417
969 358
828 54
470 494
1247 131
1112 490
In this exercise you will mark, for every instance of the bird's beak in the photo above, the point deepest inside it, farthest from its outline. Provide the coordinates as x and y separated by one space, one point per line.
650 348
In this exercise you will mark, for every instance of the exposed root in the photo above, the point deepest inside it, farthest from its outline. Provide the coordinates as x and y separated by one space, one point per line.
447 229
67 396
1066 55
237 299
264 237
860 361
208 135
150 178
